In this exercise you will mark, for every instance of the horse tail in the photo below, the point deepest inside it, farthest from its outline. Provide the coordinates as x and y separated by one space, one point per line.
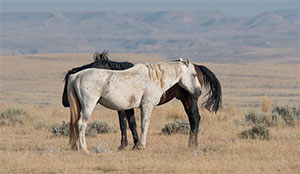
214 94
65 100
75 109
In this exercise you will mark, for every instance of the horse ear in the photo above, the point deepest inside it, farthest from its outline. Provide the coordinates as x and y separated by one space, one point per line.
187 62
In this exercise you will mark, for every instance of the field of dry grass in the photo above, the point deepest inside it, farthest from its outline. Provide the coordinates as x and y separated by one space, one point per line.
34 84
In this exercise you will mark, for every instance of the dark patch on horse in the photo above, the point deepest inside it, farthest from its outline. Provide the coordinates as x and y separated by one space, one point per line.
131 100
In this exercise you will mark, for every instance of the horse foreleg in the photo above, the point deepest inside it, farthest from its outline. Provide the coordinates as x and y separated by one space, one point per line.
191 108
145 120
132 125
123 128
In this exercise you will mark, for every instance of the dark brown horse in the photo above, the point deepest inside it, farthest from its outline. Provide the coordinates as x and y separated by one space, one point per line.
190 102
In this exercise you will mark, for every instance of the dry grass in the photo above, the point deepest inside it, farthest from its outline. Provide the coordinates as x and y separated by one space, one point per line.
35 85
266 105
26 149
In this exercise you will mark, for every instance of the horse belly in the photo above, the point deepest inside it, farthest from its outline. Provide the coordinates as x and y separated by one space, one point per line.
119 102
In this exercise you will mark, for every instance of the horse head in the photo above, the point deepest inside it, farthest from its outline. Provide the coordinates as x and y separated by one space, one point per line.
189 79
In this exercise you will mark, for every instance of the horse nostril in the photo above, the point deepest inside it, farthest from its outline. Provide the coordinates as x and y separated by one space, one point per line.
198 92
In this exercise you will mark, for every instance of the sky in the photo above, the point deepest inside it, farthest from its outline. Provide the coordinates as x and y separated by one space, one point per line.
229 7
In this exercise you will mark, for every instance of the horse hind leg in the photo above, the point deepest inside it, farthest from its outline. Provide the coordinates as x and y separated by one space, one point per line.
82 124
132 125
123 128
129 114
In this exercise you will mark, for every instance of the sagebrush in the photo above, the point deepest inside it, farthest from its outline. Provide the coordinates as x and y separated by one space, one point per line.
176 126
13 116
93 128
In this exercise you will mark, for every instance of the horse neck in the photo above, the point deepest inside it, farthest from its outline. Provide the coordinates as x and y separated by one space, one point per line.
167 75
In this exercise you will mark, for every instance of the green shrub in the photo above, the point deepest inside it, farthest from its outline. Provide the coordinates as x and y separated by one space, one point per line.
258 131
258 118
176 126
98 127
288 114
60 130
93 128
13 116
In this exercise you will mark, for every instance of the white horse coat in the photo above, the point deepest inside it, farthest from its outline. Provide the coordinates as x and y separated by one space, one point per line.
138 87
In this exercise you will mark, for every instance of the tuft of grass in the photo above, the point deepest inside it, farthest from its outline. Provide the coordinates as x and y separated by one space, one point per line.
175 116
93 128
266 105
13 116
176 126
257 131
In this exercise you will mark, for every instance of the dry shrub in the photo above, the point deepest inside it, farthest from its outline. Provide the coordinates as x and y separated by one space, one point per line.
257 131
175 127
93 128
41 125
14 116
266 105
102 147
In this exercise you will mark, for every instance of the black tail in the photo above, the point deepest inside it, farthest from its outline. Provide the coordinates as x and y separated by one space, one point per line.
214 101
65 100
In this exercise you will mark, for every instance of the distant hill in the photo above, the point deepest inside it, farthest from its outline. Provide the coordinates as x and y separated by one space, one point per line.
201 35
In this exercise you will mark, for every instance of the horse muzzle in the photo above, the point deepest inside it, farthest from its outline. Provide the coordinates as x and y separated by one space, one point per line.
197 92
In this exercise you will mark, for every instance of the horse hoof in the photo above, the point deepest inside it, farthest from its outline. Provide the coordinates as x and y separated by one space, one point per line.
192 146
138 147
122 147
74 147
86 151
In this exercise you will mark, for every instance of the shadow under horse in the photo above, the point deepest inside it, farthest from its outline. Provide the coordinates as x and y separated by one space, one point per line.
190 102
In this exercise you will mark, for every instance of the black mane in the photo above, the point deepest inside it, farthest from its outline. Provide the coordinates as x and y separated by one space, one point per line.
101 61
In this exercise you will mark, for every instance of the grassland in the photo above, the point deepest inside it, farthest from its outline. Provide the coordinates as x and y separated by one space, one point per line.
34 84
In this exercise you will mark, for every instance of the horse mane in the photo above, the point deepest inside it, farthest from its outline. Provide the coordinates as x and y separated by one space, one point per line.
100 60
101 57
158 71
